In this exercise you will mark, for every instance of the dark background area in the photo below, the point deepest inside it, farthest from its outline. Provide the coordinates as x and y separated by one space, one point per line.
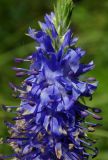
89 23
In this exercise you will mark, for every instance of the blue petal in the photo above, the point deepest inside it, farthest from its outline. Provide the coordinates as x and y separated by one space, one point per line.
59 54
32 33
67 39
72 59
44 97
80 52
46 122
43 26
54 125
73 41
38 115
83 68
50 25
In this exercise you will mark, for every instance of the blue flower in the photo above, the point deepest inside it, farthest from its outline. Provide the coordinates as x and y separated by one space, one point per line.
50 122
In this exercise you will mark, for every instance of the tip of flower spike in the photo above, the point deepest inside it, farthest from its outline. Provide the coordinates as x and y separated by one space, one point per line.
63 15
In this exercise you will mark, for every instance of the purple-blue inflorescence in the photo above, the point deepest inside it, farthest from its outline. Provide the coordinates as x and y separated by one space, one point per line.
50 122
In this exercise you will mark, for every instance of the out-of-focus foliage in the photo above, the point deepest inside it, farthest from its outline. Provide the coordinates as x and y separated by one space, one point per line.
89 23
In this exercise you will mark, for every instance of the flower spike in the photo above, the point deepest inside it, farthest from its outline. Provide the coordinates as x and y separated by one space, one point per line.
51 119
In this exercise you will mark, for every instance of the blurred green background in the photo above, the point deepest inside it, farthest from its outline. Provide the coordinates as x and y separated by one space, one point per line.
89 23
